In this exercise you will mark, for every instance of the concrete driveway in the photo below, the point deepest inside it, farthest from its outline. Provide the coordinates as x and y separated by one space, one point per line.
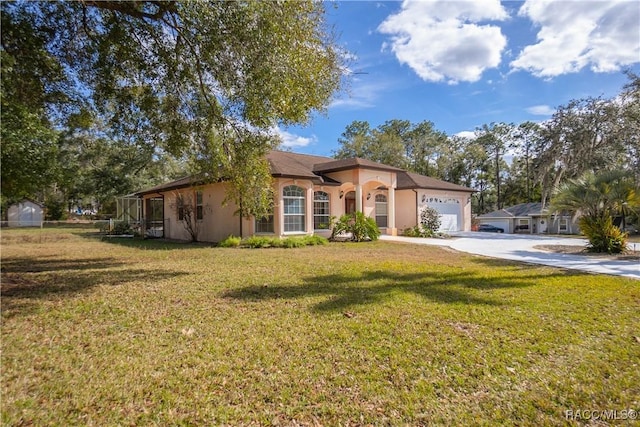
518 247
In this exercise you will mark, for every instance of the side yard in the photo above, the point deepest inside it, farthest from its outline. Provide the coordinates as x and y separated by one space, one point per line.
130 332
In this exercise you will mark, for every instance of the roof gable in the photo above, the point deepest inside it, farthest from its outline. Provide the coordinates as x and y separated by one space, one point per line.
521 210
410 180
306 166
352 163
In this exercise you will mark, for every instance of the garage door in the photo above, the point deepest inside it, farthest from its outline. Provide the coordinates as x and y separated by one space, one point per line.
450 212
497 223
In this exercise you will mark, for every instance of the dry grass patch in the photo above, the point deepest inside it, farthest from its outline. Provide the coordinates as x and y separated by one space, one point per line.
147 332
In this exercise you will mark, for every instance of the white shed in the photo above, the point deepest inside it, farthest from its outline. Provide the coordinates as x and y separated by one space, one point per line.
26 213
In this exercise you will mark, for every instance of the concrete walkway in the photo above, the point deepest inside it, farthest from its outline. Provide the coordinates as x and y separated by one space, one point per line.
518 247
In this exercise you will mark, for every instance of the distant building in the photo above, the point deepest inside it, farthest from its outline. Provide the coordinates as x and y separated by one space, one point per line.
529 218
25 213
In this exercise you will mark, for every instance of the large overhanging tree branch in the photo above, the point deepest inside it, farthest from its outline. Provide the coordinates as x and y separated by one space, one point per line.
169 74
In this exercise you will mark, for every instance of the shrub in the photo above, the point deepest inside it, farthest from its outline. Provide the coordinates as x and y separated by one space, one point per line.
292 242
315 240
412 232
603 235
258 242
275 242
230 242
358 225
121 227
430 221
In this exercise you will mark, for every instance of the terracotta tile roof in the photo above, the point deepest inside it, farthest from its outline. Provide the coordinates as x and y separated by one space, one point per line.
410 180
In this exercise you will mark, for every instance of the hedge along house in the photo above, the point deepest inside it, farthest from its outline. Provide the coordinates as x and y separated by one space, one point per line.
309 190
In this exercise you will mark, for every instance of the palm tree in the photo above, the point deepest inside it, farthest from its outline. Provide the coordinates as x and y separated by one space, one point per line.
596 199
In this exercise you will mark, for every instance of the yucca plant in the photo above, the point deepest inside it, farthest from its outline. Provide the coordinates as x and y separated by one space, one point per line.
360 226
603 235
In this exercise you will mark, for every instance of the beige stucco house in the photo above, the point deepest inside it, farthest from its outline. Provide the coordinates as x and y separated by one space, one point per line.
309 191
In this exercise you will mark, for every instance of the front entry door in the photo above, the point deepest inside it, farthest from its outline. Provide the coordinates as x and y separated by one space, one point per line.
351 206
350 202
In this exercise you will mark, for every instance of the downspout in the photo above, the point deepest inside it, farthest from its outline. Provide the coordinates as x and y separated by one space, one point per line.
241 214
417 210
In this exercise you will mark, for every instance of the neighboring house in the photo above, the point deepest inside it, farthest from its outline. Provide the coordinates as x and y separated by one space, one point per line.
529 218
25 213
309 190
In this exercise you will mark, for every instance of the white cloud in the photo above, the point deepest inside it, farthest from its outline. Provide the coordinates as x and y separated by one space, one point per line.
466 134
442 40
290 140
602 35
541 110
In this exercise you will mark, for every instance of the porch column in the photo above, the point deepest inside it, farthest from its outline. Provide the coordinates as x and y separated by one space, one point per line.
391 213
309 211
359 198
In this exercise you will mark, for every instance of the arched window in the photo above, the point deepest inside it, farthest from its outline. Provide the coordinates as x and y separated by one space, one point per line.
320 210
381 210
293 200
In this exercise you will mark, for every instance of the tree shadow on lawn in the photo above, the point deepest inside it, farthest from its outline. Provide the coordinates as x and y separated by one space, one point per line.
25 280
346 291
149 244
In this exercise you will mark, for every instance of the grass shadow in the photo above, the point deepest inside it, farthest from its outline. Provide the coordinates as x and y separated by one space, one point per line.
26 280
149 244
342 292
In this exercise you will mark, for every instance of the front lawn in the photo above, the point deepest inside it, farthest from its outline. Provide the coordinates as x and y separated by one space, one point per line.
130 332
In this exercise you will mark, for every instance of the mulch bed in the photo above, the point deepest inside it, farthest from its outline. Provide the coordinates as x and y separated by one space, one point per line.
580 250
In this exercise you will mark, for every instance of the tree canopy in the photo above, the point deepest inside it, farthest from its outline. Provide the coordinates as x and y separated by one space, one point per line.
513 163
166 76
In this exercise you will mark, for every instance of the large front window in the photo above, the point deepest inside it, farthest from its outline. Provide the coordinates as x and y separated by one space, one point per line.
294 202
381 210
320 210
564 225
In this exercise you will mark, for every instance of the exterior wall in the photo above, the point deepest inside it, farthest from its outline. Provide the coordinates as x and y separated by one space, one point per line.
554 225
218 221
25 214
406 209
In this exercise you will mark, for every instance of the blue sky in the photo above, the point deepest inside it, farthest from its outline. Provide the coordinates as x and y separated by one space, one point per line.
462 64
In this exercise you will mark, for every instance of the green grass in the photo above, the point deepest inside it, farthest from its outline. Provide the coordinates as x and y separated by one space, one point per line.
130 332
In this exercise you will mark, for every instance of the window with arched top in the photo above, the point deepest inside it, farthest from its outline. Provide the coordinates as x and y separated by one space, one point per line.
381 210
293 199
321 211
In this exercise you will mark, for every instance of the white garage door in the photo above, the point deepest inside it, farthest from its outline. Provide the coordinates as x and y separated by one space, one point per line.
450 212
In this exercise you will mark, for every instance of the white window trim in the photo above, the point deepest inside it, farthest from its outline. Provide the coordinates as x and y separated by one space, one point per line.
303 214
328 215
